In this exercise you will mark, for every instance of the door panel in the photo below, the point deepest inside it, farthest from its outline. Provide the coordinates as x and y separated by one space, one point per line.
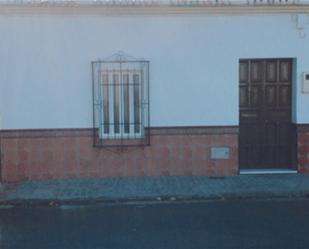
256 71
266 132
270 96
285 71
271 71
243 71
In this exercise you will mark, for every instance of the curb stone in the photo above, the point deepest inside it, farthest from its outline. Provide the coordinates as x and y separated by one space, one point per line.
148 200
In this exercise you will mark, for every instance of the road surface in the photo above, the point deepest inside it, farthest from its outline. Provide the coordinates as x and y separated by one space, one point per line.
249 224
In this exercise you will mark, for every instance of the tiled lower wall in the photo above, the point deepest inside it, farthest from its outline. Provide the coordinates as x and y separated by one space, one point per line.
68 153
303 148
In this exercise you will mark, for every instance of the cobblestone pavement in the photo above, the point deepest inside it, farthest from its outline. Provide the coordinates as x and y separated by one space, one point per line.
156 188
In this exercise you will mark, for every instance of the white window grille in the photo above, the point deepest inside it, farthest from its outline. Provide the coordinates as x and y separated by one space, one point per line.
121 101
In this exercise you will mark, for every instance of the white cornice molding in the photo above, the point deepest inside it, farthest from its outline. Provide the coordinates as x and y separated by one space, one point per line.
114 10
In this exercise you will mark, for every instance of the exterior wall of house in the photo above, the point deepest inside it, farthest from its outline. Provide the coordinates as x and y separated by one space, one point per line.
303 148
45 86
46 76
56 154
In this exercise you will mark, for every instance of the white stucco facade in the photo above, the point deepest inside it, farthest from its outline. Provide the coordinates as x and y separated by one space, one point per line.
45 72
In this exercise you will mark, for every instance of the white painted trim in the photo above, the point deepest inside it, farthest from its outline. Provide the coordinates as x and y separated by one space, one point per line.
112 10
266 171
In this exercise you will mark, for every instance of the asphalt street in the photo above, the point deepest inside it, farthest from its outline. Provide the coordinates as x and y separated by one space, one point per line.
246 224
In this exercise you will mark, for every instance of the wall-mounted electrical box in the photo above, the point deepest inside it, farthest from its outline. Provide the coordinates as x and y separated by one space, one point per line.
220 152
305 83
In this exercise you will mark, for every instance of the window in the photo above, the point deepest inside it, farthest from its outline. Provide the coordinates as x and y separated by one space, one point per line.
120 101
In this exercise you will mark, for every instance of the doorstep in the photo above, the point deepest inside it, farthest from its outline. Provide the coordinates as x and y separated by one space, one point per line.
267 171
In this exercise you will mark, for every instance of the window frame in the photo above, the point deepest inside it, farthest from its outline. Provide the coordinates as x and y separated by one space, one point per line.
121 67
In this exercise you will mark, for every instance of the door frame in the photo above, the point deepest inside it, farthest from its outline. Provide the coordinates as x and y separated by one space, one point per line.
294 146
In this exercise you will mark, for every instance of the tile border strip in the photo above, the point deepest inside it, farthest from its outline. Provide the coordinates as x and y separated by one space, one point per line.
40 133
191 130
154 131
88 132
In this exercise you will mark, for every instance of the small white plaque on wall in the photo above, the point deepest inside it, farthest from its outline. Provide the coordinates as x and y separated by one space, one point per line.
220 152
305 83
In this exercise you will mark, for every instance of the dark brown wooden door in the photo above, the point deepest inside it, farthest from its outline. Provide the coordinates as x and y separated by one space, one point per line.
266 132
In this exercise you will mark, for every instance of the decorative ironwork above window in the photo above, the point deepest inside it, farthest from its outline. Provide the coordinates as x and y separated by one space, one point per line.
120 101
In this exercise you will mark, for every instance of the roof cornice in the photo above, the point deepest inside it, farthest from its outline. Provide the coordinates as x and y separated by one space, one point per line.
146 9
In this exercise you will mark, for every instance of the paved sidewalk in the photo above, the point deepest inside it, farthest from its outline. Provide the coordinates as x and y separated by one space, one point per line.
119 189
